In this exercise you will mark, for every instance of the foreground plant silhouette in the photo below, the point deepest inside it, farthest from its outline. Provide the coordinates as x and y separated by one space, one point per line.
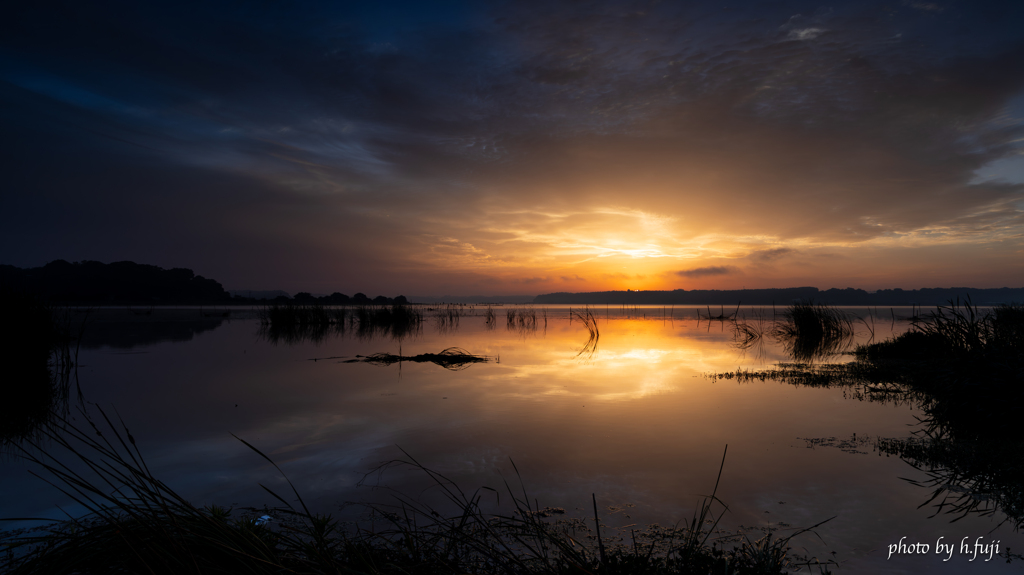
963 367
137 524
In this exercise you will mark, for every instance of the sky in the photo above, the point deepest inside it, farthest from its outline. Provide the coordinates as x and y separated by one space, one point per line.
519 147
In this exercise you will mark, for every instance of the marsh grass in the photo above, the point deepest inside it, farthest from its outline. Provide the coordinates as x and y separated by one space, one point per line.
957 331
970 362
962 330
963 368
138 524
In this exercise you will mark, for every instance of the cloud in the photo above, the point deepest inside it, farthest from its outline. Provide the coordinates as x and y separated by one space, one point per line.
926 6
707 271
805 34
770 255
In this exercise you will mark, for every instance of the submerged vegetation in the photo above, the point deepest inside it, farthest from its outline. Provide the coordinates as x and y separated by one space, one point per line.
452 358
964 369
138 524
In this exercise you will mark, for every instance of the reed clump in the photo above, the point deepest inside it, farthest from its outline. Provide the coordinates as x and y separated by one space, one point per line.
813 330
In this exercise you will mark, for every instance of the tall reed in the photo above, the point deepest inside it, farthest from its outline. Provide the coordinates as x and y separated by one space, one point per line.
589 322
446 319
521 319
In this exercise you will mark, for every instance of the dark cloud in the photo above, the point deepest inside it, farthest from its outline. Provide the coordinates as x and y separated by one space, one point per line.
707 271
770 255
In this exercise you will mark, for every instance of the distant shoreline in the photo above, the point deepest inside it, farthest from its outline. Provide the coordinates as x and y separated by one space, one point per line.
786 296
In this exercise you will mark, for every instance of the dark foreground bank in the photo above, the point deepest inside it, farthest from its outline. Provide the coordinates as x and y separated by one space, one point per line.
137 524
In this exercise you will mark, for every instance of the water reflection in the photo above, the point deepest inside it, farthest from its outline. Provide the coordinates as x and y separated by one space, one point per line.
808 332
967 452
586 317
637 424
446 319
124 330
296 324
523 320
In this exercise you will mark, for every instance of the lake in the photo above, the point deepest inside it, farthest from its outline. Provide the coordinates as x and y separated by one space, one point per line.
635 418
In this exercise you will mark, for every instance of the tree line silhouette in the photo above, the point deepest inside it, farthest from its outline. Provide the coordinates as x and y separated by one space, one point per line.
97 283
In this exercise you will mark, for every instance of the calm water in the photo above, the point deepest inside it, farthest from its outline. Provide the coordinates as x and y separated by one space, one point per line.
636 421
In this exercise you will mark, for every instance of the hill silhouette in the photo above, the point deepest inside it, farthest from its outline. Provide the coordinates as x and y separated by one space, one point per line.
90 282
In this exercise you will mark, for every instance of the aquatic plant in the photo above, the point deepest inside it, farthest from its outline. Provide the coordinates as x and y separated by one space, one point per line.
811 331
590 322
957 331
446 319
750 334
963 369
964 477
521 319
452 358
